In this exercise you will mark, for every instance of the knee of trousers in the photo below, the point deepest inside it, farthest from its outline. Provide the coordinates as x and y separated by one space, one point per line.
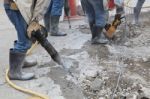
101 21
22 46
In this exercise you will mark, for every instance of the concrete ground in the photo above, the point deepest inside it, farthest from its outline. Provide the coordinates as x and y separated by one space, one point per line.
95 68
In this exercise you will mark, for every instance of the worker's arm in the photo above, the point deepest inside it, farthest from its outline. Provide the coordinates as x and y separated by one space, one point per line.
31 11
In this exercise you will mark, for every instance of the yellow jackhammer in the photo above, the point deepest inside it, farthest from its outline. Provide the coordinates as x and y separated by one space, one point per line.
111 28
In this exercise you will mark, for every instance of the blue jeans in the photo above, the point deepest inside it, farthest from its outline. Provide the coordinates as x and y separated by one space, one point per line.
95 12
23 43
55 9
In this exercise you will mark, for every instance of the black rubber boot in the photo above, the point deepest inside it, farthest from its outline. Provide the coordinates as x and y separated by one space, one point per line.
100 37
93 30
16 61
137 11
54 30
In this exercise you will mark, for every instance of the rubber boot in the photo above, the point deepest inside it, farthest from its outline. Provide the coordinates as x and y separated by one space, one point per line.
137 11
54 30
92 29
29 63
16 60
100 37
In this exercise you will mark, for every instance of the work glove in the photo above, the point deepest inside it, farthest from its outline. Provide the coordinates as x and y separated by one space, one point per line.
33 27
13 6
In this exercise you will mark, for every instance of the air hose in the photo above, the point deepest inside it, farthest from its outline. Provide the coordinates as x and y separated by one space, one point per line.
34 95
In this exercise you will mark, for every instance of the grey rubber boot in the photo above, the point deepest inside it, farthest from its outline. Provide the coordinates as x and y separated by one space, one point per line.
100 37
54 30
16 60
137 11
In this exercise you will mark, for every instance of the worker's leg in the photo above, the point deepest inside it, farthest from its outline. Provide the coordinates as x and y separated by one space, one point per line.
23 43
56 12
137 11
100 20
27 63
82 4
91 16
47 18
18 53
100 13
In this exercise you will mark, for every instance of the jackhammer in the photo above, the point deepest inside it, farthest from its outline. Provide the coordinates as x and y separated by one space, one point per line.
37 32
111 28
